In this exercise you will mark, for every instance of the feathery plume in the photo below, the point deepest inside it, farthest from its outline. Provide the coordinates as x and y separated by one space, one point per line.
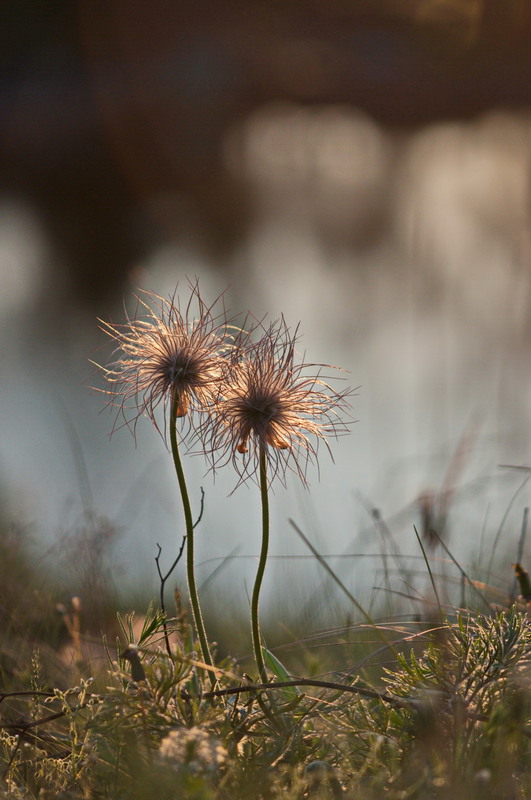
165 354
267 399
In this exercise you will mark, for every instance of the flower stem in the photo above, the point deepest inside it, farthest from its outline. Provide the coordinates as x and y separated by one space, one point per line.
192 588
255 625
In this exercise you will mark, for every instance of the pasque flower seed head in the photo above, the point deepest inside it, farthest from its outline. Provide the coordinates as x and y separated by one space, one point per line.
267 399
164 354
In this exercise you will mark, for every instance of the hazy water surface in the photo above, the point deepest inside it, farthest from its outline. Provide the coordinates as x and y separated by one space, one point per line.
430 315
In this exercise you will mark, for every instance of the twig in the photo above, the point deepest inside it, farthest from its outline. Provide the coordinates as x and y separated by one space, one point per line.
25 693
164 578
343 687
201 509
23 727
397 702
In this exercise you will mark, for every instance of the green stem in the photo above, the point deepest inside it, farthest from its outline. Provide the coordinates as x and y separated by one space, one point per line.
255 625
192 588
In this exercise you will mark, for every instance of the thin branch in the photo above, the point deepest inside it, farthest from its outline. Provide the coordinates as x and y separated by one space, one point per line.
164 578
397 702
23 727
201 509
258 687
25 693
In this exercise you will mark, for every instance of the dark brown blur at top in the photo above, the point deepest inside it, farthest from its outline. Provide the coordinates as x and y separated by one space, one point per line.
114 116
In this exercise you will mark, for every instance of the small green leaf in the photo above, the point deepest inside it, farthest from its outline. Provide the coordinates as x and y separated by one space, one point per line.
279 670
152 622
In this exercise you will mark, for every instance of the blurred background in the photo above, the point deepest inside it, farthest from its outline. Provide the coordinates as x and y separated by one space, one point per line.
361 167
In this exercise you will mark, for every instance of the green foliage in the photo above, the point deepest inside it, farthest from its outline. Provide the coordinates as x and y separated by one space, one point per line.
458 728
448 718
453 722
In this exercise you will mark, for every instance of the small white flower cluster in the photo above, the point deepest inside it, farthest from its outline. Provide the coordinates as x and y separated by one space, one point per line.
194 748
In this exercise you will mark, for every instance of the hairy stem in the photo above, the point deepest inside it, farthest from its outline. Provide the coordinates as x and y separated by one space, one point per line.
255 624
190 572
